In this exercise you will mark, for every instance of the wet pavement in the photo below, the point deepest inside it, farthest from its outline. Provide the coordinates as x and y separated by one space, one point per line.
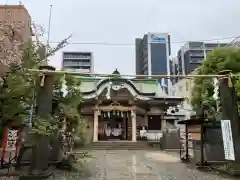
145 165
136 165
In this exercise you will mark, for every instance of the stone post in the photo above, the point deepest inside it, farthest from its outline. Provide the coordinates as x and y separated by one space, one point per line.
229 107
44 96
134 125
95 125
41 154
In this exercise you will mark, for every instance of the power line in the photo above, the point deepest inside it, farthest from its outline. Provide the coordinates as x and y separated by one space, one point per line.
131 44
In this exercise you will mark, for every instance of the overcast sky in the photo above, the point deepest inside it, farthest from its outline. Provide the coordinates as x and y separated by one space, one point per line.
121 21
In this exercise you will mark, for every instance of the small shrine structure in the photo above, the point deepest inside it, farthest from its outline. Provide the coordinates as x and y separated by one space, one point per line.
117 108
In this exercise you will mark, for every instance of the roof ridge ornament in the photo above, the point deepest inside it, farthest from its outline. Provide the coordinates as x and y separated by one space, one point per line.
115 103
116 73
108 94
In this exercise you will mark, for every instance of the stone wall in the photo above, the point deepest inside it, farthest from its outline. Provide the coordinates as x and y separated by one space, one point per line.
214 150
195 150
170 139
213 146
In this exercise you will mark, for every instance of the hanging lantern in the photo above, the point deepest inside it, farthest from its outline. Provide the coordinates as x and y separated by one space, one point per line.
109 114
118 113
114 113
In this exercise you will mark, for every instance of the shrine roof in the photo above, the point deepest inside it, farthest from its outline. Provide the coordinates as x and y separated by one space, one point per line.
89 84
144 89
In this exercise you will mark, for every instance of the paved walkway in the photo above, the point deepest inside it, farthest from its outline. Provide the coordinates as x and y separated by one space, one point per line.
145 165
135 165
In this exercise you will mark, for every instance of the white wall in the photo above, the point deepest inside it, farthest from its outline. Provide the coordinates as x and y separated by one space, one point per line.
183 88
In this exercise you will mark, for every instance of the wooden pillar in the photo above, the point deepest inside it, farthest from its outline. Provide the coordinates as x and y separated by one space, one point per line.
134 125
95 125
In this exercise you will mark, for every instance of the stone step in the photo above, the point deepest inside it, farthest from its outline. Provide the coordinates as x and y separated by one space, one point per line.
112 145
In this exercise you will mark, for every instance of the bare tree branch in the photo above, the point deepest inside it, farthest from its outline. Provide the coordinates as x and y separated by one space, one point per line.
61 45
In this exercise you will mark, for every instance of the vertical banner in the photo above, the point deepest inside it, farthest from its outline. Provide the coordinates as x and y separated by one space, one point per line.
227 140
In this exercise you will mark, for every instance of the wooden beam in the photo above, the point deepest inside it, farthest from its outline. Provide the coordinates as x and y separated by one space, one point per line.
114 108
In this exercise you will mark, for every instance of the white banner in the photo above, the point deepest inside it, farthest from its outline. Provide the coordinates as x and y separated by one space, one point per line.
227 140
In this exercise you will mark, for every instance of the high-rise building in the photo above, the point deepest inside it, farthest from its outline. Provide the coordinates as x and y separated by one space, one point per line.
173 68
15 29
77 61
152 55
191 55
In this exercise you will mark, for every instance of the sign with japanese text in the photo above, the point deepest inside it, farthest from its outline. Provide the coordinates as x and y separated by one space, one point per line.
227 140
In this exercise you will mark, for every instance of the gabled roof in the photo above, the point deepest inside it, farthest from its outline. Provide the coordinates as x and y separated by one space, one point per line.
120 83
118 80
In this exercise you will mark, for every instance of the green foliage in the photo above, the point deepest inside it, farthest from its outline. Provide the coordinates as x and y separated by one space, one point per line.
44 127
18 87
203 90
81 134
65 107
16 90
68 101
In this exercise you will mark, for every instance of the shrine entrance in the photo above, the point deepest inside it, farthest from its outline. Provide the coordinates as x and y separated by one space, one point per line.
115 122
113 125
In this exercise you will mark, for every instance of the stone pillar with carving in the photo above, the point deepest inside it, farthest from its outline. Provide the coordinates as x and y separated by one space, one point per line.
229 108
95 125
134 125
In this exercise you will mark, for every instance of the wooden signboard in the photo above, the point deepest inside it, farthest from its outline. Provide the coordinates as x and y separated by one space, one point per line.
194 132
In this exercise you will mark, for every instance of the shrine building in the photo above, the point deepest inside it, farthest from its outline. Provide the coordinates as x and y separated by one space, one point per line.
116 108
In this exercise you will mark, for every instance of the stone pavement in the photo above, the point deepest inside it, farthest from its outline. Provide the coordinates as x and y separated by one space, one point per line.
136 165
146 165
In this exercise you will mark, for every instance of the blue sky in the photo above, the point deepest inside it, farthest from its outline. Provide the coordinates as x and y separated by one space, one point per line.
120 22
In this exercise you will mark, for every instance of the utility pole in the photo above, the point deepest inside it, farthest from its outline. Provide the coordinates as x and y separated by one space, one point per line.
48 36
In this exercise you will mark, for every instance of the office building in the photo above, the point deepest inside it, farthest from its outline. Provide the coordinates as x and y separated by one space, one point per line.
77 61
191 55
15 29
152 55
173 69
